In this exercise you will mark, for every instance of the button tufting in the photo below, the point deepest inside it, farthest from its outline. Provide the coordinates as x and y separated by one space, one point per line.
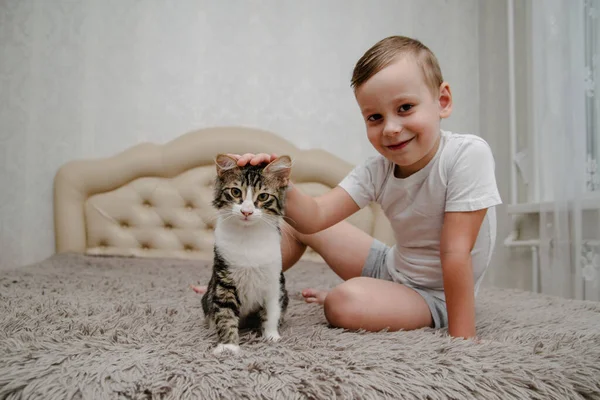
124 224
145 246
189 205
188 247
103 243
147 203
168 225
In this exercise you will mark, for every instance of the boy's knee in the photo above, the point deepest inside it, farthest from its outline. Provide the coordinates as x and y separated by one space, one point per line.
342 305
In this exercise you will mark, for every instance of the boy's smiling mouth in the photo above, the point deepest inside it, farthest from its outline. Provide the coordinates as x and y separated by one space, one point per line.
400 145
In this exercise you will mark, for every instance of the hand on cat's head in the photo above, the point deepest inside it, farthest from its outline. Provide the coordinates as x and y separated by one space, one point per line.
277 167
253 159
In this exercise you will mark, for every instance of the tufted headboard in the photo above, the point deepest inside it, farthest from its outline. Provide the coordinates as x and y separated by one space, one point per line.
154 200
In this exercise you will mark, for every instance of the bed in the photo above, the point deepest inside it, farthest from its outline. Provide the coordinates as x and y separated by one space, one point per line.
111 315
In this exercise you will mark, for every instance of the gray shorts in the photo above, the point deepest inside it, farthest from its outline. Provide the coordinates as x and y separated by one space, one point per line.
375 267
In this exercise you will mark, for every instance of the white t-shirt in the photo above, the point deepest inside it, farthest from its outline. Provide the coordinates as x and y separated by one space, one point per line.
460 177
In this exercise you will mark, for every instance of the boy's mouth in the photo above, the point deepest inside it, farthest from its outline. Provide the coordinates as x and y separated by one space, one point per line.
400 145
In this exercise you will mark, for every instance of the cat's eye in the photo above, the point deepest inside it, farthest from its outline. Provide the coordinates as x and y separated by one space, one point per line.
235 192
263 196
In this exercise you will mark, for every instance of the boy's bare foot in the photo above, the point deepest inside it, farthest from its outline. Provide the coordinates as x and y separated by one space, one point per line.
198 289
314 296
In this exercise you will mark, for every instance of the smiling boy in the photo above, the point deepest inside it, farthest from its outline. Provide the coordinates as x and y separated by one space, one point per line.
437 188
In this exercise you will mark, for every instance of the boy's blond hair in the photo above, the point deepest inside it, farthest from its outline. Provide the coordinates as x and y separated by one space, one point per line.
386 50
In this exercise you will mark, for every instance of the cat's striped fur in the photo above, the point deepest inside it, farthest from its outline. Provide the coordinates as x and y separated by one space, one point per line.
247 282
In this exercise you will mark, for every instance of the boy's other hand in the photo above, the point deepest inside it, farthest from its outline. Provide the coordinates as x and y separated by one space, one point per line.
253 159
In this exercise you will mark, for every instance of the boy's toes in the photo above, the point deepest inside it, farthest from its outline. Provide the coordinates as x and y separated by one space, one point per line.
308 294
314 296
199 289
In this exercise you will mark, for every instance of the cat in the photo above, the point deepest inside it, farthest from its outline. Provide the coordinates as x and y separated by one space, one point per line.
247 281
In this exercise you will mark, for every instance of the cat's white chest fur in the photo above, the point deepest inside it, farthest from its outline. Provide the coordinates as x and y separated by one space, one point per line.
253 254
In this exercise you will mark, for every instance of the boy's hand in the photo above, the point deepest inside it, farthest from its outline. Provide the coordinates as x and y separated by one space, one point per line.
253 159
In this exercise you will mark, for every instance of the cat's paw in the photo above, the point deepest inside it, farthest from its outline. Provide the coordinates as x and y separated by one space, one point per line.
226 348
272 336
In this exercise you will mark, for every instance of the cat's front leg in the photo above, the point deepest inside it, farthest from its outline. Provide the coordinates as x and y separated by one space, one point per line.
272 313
227 322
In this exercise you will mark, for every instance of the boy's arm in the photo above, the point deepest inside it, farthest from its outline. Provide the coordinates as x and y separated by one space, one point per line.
459 233
471 190
309 214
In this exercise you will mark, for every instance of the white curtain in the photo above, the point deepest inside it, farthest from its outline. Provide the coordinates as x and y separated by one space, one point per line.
566 139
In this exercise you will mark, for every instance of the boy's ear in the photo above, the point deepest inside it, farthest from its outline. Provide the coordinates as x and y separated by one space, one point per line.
445 100
225 163
280 168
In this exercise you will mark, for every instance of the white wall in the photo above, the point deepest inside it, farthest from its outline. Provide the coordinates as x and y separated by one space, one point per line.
91 78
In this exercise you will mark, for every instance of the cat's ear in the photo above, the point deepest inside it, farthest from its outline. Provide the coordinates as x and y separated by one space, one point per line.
225 163
280 168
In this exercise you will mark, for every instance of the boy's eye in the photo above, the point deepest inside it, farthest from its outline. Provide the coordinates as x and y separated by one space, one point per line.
235 192
263 196
405 107
374 117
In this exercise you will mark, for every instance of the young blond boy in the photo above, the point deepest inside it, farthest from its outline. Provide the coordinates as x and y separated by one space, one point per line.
437 188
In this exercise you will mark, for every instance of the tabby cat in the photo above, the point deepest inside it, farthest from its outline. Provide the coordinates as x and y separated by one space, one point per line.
247 281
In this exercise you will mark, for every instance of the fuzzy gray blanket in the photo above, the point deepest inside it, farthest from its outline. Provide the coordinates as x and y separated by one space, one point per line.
76 327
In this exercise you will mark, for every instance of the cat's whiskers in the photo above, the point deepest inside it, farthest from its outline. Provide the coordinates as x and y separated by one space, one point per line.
227 217
267 220
286 226
214 216
283 228
287 230
274 225
286 218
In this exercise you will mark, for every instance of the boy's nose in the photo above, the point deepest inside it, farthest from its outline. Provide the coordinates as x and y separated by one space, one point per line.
392 129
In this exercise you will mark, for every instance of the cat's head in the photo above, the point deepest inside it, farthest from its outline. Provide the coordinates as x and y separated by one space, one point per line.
251 193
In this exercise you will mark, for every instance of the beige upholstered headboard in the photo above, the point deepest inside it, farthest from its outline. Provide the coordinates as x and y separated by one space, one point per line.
154 200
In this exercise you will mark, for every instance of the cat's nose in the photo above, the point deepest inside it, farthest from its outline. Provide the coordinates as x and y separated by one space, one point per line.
247 213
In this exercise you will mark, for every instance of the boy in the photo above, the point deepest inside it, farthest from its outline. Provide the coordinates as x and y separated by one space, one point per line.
437 188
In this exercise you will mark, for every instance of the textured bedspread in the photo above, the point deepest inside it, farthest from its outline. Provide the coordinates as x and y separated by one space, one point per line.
95 328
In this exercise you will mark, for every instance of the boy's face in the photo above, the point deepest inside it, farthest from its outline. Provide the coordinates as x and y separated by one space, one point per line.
402 115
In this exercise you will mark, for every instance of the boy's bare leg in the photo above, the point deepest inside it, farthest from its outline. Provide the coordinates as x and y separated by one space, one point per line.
359 302
375 304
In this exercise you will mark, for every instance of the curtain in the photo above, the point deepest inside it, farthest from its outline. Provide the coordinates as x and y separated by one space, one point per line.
565 45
